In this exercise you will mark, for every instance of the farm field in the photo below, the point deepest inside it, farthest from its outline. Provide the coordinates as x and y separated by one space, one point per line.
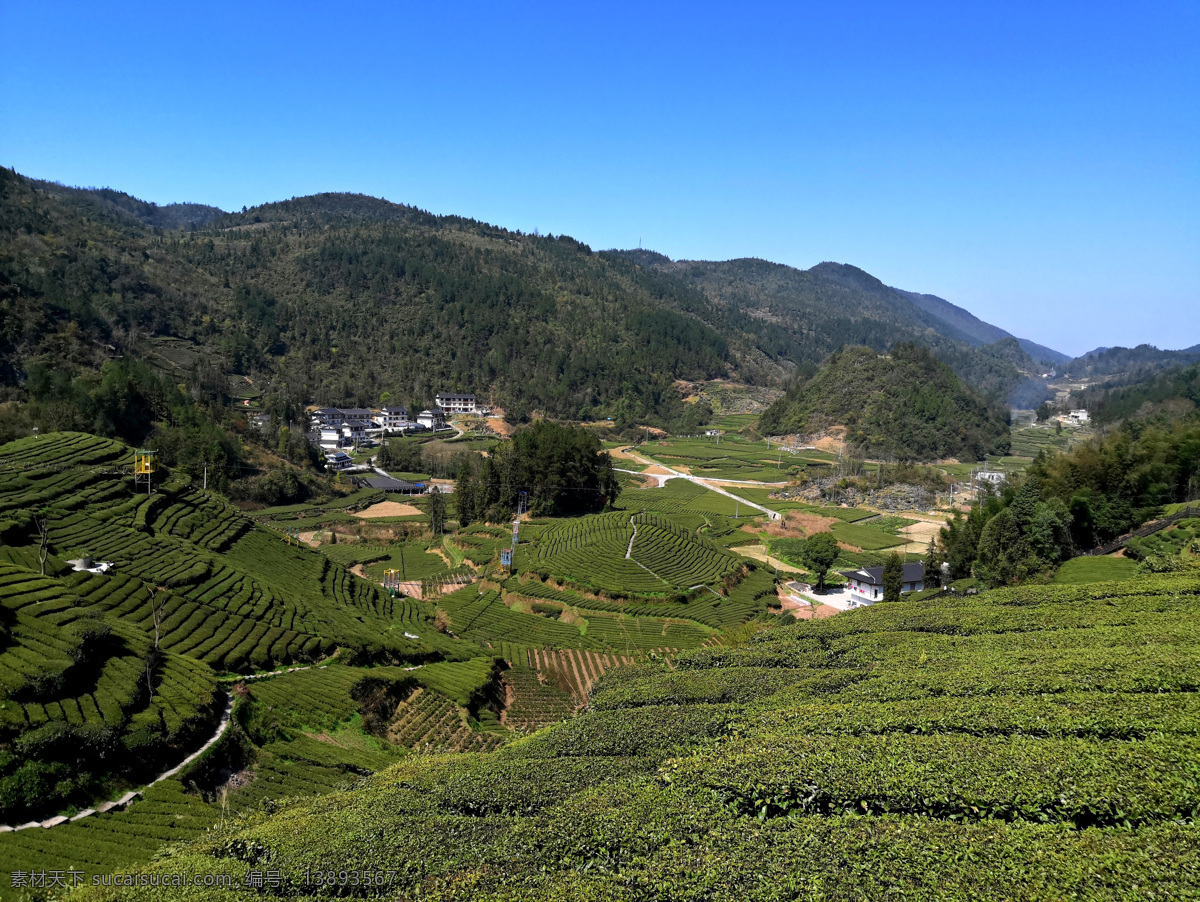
866 537
630 554
214 597
1169 542
733 457
938 732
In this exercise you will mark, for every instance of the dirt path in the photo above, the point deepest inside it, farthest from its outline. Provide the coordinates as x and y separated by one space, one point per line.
133 795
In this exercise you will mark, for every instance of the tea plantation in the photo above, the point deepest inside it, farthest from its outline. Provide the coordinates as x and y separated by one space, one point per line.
1029 743
108 679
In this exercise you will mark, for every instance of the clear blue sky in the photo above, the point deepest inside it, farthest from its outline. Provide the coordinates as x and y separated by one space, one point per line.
1037 163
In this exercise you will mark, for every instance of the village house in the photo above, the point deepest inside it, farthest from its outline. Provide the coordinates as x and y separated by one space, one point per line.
392 419
867 583
338 460
390 485
325 416
359 417
432 420
450 403
1077 417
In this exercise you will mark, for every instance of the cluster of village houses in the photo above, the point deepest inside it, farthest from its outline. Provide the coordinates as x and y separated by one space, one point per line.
335 428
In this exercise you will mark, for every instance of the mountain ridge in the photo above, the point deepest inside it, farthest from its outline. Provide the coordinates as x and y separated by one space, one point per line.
280 294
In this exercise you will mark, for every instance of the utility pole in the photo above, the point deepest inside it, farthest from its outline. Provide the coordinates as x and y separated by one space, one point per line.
206 476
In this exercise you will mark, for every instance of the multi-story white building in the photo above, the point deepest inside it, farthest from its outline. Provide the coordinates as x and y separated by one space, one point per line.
393 419
432 419
452 403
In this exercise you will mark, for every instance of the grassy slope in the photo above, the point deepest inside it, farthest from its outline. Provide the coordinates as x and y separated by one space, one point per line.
1034 743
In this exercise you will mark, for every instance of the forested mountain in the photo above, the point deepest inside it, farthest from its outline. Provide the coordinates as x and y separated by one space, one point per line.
834 304
1169 394
338 299
168 216
1130 364
908 405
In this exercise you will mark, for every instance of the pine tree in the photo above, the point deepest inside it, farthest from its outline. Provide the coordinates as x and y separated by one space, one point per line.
893 578
437 513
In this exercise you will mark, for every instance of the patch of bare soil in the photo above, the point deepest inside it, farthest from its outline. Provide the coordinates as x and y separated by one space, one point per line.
817 612
310 538
919 534
759 553
833 441
388 509
239 780
412 589
656 471
799 525
497 425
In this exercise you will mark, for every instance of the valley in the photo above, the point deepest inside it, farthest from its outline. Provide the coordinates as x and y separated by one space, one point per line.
336 536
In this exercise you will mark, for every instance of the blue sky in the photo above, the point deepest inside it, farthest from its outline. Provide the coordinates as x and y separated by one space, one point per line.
1038 164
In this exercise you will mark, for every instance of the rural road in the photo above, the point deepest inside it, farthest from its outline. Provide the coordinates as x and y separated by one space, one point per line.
713 485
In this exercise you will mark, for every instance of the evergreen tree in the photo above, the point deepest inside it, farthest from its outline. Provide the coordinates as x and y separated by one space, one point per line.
933 565
437 513
465 493
893 578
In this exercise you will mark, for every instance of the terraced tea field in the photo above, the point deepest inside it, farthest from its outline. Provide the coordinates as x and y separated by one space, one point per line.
733 457
630 554
133 666
1029 743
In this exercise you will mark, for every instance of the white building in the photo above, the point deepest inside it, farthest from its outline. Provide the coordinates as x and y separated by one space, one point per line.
867 584
452 403
392 419
1078 417
325 416
431 419
338 460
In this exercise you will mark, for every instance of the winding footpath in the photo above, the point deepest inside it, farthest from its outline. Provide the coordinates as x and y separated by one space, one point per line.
134 794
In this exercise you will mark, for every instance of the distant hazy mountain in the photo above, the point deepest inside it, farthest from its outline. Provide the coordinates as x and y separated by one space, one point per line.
1043 354
1129 365
835 304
